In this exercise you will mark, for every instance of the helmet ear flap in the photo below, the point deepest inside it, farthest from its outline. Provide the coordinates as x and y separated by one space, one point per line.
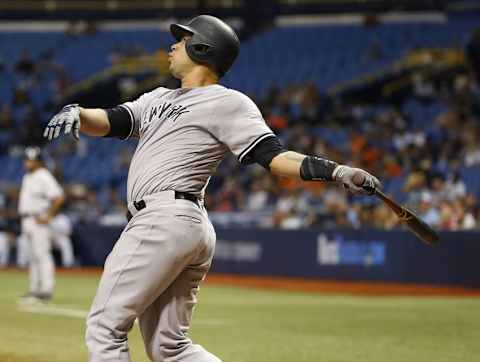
200 52
202 49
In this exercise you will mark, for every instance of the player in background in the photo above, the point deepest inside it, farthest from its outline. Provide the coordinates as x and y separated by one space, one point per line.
154 271
40 199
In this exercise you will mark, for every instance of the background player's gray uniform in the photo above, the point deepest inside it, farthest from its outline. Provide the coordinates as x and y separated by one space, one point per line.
39 188
154 271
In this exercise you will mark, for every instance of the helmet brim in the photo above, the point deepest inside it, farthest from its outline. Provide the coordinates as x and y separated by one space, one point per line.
179 31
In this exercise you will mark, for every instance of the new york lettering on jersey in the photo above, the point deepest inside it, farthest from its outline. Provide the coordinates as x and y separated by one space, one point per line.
161 113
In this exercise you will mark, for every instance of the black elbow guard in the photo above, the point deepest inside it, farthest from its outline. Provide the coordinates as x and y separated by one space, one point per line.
264 152
315 168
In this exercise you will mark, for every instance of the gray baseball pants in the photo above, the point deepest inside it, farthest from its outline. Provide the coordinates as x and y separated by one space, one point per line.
42 266
153 273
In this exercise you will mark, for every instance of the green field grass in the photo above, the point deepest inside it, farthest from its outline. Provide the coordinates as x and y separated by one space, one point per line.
242 325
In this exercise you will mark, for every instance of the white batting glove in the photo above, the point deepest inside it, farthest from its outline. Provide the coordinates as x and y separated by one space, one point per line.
356 180
68 118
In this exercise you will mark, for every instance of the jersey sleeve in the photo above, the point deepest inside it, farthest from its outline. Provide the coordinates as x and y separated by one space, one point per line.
51 185
135 110
240 126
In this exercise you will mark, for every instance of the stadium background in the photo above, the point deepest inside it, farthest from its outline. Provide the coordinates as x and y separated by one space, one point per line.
388 86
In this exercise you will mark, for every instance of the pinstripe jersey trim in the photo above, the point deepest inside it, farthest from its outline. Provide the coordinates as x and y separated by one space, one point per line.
131 118
253 144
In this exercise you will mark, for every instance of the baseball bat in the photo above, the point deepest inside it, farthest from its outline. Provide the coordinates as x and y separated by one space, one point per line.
416 225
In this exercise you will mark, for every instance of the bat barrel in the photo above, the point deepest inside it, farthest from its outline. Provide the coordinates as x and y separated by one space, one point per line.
421 229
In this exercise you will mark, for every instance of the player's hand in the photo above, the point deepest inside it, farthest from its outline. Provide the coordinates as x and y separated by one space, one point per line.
68 119
356 180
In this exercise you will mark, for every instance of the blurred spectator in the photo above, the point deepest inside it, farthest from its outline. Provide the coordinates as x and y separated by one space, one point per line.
230 197
384 218
414 187
258 195
448 217
4 248
20 95
7 127
292 210
25 64
422 89
113 208
427 211
62 229
31 130
466 219
6 232
82 204
7 121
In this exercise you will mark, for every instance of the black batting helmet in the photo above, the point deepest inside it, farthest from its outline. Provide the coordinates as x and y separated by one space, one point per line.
213 42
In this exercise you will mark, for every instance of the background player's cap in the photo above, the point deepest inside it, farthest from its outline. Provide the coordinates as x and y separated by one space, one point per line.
213 42
33 153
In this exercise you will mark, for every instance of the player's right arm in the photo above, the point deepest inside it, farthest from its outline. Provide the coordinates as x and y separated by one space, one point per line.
113 122
94 122
122 121
270 154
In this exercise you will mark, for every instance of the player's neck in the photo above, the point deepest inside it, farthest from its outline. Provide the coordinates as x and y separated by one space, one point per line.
199 77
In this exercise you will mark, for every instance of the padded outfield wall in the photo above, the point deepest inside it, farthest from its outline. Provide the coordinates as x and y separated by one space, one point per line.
354 255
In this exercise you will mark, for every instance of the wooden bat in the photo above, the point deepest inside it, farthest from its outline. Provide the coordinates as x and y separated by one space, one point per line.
418 227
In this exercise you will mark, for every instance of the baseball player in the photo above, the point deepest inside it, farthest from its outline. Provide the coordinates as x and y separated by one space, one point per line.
40 199
154 271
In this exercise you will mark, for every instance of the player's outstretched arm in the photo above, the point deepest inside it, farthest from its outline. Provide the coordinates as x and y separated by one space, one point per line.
314 168
73 119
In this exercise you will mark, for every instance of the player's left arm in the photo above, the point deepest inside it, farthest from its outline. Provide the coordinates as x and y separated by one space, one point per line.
271 155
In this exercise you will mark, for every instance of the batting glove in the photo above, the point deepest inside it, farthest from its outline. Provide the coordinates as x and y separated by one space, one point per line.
356 180
68 118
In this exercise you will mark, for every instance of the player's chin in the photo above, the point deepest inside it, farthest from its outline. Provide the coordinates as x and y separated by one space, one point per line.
174 72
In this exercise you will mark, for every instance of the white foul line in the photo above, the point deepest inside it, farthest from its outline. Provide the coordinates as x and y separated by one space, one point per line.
50 309
53 310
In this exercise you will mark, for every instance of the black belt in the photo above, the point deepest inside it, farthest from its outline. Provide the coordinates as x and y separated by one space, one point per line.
139 205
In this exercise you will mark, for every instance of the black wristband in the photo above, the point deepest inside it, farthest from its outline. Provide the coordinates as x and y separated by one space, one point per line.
315 168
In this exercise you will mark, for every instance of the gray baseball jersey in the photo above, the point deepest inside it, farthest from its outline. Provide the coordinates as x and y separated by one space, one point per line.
184 135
